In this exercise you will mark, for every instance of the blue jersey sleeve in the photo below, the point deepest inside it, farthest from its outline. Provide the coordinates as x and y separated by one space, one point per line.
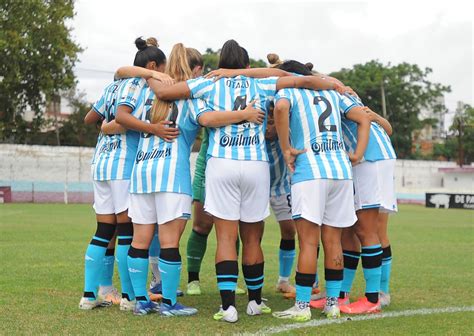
197 107
345 104
130 91
284 94
200 87
99 106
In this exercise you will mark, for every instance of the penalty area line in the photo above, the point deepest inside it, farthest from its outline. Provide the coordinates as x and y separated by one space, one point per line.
319 323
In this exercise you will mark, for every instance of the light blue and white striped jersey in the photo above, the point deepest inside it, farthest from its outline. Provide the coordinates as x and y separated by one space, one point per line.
315 124
162 166
245 140
279 178
114 160
379 146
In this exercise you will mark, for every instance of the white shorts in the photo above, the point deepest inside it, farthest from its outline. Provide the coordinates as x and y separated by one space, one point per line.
237 189
111 197
160 207
374 186
281 206
323 201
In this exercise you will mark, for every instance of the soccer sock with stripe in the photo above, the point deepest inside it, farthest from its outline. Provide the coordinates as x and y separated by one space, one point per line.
253 275
124 239
197 244
351 260
333 282
170 267
286 256
372 265
304 286
227 272
138 270
94 258
386 269
154 253
108 270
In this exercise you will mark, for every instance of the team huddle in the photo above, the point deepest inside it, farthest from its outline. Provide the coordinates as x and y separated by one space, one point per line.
283 137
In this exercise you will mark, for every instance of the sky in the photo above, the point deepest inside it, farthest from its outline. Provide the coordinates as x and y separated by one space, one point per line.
332 35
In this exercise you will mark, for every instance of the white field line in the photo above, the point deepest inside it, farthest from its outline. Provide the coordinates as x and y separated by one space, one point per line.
319 323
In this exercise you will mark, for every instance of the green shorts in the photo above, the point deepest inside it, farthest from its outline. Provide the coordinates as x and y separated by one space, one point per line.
199 182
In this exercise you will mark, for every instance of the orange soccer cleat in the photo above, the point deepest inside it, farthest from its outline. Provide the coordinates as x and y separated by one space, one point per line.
361 306
321 303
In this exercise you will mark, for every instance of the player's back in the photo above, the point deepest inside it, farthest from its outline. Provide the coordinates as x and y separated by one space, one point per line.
315 123
242 141
162 166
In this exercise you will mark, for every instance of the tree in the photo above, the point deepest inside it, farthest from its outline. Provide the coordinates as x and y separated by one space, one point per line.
407 90
211 61
38 56
463 134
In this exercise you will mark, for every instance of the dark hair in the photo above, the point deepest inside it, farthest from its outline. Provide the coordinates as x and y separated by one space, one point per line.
246 57
295 67
147 53
232 56
310 66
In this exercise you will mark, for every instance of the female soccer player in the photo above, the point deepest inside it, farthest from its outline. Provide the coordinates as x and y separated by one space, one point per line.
280 201
374 198
321 188
113 162
161 182
237 173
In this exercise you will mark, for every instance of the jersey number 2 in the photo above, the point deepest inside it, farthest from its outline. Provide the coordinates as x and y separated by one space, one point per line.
326 114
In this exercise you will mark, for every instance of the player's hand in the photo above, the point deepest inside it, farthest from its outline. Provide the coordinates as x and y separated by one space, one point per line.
290 157
252 114
162 77
112 127
355 159
220 73
162 130
350 91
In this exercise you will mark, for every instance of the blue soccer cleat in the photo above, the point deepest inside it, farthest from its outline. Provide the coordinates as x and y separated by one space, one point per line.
177 310
146 307
158 289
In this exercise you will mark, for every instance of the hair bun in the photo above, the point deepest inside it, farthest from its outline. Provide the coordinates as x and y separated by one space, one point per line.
309 65
273 58
152 42
140 43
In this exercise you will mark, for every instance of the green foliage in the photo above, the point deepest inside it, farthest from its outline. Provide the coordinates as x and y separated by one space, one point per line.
73 131
211 60
463 134
407 91
38 56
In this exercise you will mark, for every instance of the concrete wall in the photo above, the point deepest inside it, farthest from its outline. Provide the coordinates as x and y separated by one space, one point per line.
59 174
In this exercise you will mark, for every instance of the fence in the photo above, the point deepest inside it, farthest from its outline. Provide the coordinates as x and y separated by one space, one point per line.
46 174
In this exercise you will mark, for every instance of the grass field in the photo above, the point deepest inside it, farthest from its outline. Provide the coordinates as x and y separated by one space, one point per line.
41 278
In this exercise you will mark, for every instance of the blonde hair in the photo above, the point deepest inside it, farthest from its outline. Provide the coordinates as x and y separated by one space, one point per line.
152 42
274 60
180 67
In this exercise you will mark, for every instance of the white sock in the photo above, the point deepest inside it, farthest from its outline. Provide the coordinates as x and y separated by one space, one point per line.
283 279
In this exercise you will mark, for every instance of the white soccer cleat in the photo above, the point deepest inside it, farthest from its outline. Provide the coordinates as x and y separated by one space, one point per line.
384 299
229 315
331 309
87 304
294 313
126 305
253 308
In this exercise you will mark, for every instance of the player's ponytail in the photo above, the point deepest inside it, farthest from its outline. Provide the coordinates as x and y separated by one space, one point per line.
180 67
148 51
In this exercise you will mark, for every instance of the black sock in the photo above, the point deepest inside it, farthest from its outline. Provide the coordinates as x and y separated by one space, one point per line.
253 275
193 276
227 272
